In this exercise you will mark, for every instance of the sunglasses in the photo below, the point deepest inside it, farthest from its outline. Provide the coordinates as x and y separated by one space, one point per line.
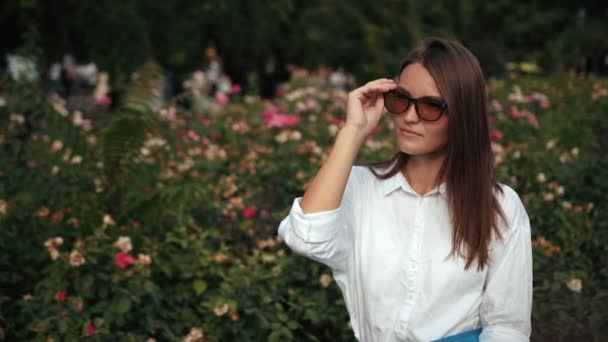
427 108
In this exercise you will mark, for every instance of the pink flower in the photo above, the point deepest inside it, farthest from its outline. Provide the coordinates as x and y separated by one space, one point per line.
221 99
192 135
205 141
533 120
171 114
337 121
496 106
104 101
544 104
515 113
61 296
122 260
205 122
491 120
90 329
274 118
250 212
495 134
235 89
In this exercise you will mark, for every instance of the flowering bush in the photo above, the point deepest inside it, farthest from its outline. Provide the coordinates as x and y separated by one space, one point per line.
161 222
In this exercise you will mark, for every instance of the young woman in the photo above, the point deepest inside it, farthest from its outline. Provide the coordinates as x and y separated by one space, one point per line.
426 245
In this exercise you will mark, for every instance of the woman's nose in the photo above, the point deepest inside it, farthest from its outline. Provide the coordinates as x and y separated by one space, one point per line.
411 115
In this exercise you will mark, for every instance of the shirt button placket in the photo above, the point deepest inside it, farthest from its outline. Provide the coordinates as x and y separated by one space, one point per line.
412 271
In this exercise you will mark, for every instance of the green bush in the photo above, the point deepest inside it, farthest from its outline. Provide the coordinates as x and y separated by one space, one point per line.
153 222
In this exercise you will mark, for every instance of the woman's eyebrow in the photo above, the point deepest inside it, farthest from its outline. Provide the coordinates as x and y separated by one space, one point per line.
403 90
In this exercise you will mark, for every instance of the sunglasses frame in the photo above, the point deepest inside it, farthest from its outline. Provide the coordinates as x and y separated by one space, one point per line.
444 106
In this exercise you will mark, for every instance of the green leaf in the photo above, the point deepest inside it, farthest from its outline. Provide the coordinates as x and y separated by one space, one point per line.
124 305
199 286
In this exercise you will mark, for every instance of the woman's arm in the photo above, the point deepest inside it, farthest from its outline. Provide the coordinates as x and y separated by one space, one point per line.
319 225
507 303
365 107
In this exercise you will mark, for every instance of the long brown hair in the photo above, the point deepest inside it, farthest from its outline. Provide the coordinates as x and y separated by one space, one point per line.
468 169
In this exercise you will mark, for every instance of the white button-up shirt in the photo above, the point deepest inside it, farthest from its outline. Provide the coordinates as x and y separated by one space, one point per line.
387 247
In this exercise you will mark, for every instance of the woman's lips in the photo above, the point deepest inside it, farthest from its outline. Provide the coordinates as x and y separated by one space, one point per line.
408 133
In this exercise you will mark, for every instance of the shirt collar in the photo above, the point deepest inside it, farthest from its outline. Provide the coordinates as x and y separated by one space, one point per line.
398 181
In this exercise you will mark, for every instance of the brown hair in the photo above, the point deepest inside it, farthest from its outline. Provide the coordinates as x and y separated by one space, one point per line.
468 169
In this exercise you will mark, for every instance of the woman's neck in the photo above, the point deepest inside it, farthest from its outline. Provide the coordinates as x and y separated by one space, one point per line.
421 172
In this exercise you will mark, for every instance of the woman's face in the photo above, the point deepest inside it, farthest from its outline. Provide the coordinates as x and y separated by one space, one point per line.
424 137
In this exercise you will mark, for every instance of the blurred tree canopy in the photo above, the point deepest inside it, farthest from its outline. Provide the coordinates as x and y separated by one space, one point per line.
367 38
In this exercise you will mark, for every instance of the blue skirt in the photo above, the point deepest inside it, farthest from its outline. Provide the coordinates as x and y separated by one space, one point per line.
467 336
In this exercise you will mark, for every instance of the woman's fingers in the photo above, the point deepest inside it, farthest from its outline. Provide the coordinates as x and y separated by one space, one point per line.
375 87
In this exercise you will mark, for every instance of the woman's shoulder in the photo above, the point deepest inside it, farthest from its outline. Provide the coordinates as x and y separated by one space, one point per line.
512 206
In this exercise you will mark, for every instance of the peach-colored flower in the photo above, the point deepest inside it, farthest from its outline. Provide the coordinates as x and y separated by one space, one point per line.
43 212
28 297
220 257
74 222
56 146
325 280
3 207
144 259
76 259
78 304
195 335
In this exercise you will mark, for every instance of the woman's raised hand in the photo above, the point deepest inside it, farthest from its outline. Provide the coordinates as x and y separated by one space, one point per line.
365 105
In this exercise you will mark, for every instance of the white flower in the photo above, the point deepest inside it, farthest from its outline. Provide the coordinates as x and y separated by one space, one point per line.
77 119
221 310
333 129
76 160
56 146
124 244
516 154
560 190
18 118
296 135
541 178
108 220
551 144
575 285
22 68
575 151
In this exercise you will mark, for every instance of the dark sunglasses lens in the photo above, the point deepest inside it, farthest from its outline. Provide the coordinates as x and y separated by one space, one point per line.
395 103
430 110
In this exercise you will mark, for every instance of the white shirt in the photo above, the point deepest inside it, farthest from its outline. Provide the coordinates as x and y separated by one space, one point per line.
386 247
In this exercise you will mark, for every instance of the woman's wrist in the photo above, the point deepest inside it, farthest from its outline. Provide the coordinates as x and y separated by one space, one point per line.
353 133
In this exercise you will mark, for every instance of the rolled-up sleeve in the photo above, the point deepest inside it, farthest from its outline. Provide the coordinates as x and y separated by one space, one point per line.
506 307
324 236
